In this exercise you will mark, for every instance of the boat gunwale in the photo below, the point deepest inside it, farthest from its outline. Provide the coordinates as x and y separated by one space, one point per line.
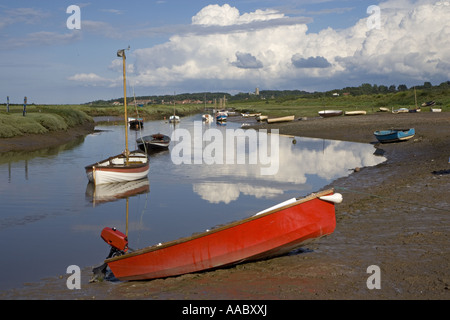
330 113
132 165
281 119
393 131
152 248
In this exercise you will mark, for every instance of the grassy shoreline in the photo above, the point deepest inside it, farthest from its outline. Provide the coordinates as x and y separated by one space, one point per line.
42 119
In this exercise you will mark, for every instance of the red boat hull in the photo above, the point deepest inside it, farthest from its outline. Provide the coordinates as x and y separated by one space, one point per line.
269 234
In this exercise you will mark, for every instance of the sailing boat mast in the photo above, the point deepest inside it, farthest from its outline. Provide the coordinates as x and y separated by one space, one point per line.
121 53
415 97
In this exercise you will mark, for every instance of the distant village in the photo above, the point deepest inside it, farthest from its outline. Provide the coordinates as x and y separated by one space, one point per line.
218 97
154 101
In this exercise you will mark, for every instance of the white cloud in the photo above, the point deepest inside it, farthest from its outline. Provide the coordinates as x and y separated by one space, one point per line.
21 16
216 15
229 50
246 61
310 62
93 79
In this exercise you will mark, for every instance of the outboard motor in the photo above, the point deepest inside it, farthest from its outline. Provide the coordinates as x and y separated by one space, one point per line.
119 246
116 239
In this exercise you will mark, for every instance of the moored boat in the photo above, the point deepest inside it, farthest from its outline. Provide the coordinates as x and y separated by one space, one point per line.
119 168
330 113
207 118
136 123
127 166
247 115
274 232
221 116
400 110
394 135
174 118
155 141
428 104
355 113
280 119
261 118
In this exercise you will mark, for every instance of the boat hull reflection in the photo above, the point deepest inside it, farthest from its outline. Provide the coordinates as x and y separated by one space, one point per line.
110 192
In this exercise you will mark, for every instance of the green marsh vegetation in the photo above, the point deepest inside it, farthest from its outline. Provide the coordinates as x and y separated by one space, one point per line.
309 105
41 119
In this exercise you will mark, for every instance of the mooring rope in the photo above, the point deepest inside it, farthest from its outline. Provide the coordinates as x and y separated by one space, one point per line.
387 198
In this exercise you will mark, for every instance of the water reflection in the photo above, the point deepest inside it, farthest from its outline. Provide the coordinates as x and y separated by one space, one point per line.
303 165
98 194
47 202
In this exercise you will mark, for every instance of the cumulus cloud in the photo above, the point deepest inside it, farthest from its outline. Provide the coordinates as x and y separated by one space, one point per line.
226 50
311 62
226 16
246 61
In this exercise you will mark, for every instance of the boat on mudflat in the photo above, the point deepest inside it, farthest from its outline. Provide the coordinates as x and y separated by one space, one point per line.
280 119
428 104
271 232
330 113
400 110
261 118
155 141
355 113
394 135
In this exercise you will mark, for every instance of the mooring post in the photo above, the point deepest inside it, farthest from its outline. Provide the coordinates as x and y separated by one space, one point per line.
24 106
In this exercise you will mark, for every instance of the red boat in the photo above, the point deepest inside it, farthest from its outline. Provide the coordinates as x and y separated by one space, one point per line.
272 232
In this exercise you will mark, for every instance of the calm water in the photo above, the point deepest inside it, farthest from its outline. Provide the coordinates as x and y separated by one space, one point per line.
51 217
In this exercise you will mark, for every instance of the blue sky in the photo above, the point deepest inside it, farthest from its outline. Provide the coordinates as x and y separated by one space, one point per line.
231 46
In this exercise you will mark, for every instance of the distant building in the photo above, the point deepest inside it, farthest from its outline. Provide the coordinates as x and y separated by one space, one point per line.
257 91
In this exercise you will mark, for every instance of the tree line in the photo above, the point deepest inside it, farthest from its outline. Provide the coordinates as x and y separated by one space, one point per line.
363 89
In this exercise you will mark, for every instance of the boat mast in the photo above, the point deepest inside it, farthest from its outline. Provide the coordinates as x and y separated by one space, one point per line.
121 53
415 97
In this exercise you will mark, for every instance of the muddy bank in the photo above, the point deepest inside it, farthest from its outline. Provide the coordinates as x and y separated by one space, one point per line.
395 215
34 142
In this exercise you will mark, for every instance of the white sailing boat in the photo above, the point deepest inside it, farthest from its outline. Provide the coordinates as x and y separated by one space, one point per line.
127 166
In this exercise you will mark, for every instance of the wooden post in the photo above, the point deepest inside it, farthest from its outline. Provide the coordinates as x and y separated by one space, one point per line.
24 106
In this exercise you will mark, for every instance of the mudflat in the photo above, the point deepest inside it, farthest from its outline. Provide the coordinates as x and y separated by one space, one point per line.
31 142
395 216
